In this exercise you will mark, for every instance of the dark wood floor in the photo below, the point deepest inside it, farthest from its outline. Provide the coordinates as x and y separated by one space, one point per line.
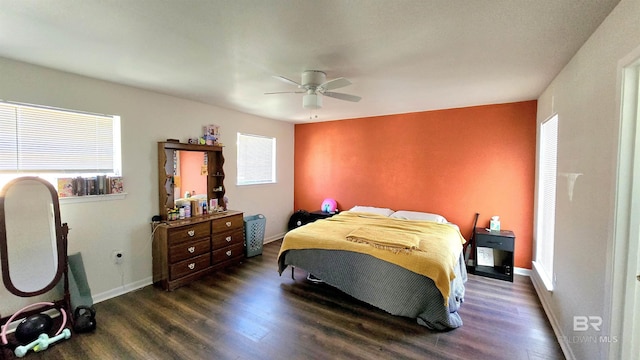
250 312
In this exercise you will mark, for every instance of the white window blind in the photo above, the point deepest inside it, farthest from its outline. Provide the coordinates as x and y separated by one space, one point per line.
45 140
547 200
256 159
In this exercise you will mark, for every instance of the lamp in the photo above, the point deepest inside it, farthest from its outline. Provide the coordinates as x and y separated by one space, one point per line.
312 101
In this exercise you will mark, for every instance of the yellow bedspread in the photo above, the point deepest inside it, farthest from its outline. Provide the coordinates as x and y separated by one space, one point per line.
433 252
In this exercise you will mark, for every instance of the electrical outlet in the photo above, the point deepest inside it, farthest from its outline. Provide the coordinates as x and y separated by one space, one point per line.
118 256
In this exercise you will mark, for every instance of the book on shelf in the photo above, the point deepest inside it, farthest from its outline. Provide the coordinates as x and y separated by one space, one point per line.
79 186
92 188
65 187
99 185
116 184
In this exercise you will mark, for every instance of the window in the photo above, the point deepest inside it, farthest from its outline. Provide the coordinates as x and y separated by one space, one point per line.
256 159
49 142
547 200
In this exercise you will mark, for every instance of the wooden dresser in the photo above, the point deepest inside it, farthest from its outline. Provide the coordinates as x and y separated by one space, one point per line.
184 250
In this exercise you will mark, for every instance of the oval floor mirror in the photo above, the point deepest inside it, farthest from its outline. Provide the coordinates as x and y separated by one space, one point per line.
33 241
32 238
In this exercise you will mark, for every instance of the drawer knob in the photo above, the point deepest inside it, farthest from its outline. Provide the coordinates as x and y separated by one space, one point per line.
228 224
191 232
228 239
192 266
228 253
192 249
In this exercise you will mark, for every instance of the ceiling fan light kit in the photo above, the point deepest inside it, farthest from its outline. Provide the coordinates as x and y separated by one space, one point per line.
312 101
315 84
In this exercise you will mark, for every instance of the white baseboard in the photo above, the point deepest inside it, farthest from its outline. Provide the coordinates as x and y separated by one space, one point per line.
522 271
541 290
121 290
148 281
274 238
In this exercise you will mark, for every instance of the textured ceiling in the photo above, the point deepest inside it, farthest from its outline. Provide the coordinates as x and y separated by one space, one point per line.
401 56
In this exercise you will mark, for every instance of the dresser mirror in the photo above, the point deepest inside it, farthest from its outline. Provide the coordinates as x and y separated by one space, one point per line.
190 174
32 239
182 168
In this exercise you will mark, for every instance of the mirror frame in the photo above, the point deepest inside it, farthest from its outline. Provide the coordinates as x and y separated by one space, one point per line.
215 173
61 240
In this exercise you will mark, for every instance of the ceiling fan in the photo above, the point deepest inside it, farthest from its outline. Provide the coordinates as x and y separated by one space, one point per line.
314 85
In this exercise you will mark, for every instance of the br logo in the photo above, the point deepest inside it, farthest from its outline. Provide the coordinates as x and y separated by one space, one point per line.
583 323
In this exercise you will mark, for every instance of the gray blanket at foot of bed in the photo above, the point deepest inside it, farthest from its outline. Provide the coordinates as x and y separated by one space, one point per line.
384 285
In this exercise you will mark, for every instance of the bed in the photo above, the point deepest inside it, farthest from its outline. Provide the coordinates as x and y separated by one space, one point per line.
405 263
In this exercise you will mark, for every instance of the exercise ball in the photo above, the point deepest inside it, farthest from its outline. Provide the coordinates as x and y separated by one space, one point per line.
299 218
30 328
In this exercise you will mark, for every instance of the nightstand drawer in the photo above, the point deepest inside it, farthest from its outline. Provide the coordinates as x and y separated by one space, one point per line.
495 242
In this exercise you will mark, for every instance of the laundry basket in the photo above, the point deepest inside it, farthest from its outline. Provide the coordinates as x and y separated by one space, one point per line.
254 226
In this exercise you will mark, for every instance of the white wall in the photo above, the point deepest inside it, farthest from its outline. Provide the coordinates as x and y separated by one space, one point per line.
584 95
97 228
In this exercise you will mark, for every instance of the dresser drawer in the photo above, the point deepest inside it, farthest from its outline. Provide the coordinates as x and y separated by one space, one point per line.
189 266
495 242
227 239
227 253
189 249
184 233
227 223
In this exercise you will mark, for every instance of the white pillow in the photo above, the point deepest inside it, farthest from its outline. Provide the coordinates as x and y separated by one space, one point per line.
415 215
372 210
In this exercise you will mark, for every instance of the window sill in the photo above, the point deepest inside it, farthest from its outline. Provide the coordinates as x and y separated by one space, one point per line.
542 275
91 198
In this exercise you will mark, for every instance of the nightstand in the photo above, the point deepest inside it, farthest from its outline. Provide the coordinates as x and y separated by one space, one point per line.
494 253
319 214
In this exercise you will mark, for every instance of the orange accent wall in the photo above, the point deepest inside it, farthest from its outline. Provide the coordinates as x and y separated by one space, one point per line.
453 162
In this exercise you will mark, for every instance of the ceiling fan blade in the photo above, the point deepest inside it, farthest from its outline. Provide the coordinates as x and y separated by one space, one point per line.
335 83
285 92
341 96
282 78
